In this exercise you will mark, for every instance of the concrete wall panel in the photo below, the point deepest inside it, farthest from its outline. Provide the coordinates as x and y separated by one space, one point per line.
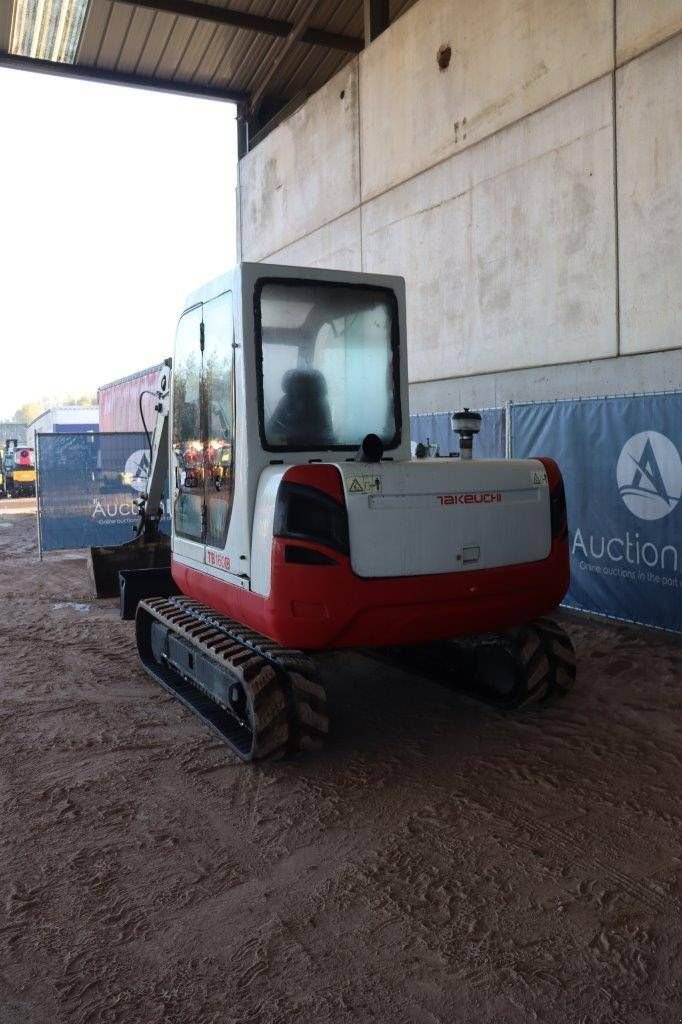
509 58
638 374
305 173
335 246
649 119
508 249
641 24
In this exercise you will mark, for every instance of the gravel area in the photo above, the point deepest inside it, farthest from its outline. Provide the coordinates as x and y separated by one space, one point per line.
439 862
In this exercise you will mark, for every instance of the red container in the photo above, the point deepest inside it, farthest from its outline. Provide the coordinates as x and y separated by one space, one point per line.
119 402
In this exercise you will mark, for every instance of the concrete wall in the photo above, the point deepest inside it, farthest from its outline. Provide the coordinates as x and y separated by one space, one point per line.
306 173
530 192
508 59
649 118
642 24
478 256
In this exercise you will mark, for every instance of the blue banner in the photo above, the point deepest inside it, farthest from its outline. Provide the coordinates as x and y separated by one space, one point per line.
436 428
86 485
620 458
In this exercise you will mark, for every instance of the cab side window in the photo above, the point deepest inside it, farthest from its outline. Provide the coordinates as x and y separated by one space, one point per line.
188 448
218 417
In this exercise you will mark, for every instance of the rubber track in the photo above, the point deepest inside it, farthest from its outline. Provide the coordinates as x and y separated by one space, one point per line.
560 652
286 706
525 644
541 652
545 658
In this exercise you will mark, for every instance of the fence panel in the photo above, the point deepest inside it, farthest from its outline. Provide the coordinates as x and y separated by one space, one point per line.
620 458
86 487
437 427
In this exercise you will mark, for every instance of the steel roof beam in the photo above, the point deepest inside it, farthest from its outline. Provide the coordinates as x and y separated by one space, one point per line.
296 34
94 74
377 17
249 22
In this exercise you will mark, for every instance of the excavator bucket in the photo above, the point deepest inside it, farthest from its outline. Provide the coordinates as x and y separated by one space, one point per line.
105 563
150 551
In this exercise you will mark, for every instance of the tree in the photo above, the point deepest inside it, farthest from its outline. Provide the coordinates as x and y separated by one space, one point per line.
27 412
82 400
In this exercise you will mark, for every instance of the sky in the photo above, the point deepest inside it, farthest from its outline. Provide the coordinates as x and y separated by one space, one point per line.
116 203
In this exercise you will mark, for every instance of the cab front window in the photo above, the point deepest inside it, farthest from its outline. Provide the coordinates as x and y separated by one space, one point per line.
328 365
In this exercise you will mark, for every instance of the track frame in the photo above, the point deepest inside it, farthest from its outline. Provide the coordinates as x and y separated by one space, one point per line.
262 700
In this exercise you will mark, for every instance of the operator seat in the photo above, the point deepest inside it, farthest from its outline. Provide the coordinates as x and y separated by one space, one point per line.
302 417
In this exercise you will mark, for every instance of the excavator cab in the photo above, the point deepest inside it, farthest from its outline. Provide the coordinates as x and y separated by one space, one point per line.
275 366
300 522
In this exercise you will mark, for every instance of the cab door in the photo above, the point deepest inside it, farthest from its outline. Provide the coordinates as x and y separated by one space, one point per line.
187 452
203 431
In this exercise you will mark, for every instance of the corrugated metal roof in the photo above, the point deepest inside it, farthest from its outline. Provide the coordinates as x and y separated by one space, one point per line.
162 44
156 368
64 408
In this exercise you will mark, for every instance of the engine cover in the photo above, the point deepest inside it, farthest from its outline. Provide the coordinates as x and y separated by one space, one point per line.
442 515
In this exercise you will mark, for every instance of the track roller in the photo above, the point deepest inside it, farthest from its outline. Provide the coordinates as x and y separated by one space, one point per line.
263 701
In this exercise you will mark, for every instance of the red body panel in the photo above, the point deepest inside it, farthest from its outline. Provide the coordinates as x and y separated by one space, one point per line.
329 606
23 458
325 478
317 606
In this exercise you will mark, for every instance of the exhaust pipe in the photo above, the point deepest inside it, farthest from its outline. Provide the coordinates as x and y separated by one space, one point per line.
466 424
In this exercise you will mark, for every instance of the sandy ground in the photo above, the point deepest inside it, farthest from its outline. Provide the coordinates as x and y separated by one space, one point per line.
440 862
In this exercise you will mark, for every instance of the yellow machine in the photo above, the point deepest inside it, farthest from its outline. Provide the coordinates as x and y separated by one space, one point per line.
19 472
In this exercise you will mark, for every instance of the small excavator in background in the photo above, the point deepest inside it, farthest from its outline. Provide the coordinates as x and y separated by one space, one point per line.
301 523
18 471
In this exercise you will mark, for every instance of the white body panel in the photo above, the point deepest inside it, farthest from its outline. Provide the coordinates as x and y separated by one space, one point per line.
443 515
263 526
215 571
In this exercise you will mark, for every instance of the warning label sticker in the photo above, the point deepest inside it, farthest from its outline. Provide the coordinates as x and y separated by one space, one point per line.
364 485
538 478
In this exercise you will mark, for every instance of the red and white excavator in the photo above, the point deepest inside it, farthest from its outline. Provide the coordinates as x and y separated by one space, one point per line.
301 523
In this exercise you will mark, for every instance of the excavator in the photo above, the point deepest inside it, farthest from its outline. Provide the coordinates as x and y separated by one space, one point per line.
301 523
19 471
